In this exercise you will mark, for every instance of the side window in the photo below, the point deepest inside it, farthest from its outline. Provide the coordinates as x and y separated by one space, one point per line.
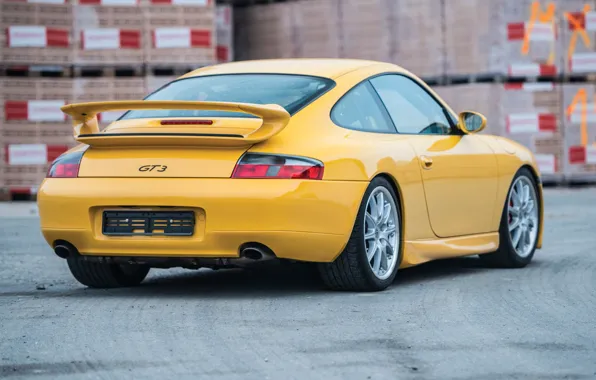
361 109
412 109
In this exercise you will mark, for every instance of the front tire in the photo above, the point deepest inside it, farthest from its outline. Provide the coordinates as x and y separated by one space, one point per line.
104 275
520 224
373 254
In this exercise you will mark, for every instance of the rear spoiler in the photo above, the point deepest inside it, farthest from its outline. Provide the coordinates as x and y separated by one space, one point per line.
86 127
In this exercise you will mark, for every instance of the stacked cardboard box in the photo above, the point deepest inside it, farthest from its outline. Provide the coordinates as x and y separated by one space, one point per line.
116 32
362 22
531 113
33 130
417 36
180 34
580 130
224 33
35 33
516 38
578 35
108 34
318 28
267 31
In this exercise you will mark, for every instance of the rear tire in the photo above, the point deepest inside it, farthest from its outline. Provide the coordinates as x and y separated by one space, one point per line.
520 223
104 275
373 254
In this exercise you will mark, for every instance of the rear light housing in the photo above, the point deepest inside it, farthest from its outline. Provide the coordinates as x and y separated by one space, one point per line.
66 165
253 165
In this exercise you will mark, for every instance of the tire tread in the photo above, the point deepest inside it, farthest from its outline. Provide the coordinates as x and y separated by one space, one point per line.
103 275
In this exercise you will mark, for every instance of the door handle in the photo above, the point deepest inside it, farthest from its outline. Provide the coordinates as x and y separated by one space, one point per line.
427 162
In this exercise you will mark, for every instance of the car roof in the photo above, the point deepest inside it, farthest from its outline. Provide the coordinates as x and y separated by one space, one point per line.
322 67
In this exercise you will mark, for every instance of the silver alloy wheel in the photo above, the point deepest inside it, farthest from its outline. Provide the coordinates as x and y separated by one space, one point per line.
522 214
381 232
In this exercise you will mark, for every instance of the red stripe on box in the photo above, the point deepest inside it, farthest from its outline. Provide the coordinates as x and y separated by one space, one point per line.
516 31
54 151
577 155
547 122
130 39
89 2
514 86
7 31
223 53
556 164
6 153
548 70
580 19
200 38
57 37
161 1
16 110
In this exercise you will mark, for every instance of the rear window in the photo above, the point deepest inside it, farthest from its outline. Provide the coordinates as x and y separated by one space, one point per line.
292 92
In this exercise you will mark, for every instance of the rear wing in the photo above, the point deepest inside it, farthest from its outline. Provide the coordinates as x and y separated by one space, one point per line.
86 127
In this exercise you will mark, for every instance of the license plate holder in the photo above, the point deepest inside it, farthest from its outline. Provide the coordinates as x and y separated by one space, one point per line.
148 223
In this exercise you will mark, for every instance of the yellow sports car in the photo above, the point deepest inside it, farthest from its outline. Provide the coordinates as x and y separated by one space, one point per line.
356 166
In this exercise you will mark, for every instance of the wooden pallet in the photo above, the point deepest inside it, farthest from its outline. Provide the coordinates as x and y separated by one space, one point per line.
165 70
86 71
34 71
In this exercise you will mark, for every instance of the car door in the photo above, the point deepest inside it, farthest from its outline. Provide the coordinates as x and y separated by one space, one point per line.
459 171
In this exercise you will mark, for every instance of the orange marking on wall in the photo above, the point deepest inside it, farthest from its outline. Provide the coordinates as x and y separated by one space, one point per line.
537 15
581 97
578 29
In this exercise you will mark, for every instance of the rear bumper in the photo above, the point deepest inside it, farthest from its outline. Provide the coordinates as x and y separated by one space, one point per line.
300 220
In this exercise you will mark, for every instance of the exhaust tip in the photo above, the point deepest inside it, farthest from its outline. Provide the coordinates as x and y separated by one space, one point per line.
252 253
62 251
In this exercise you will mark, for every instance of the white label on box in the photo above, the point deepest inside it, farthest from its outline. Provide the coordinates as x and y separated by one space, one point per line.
172 38
47 1
119 2
45 110
27 36
577 117
583 62
191 2
27 154
537 87
523 123
524 69
541 31
99 39
223 16
546 163
110 116
590 21
591 155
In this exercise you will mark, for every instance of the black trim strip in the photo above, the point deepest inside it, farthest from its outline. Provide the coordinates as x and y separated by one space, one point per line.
93 135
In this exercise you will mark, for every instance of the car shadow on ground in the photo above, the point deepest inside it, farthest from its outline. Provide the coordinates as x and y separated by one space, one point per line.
297 280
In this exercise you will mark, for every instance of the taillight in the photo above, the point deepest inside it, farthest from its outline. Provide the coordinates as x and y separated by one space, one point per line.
273 166
66 166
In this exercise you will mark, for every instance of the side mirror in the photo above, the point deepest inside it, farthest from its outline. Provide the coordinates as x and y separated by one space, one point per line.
471 122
